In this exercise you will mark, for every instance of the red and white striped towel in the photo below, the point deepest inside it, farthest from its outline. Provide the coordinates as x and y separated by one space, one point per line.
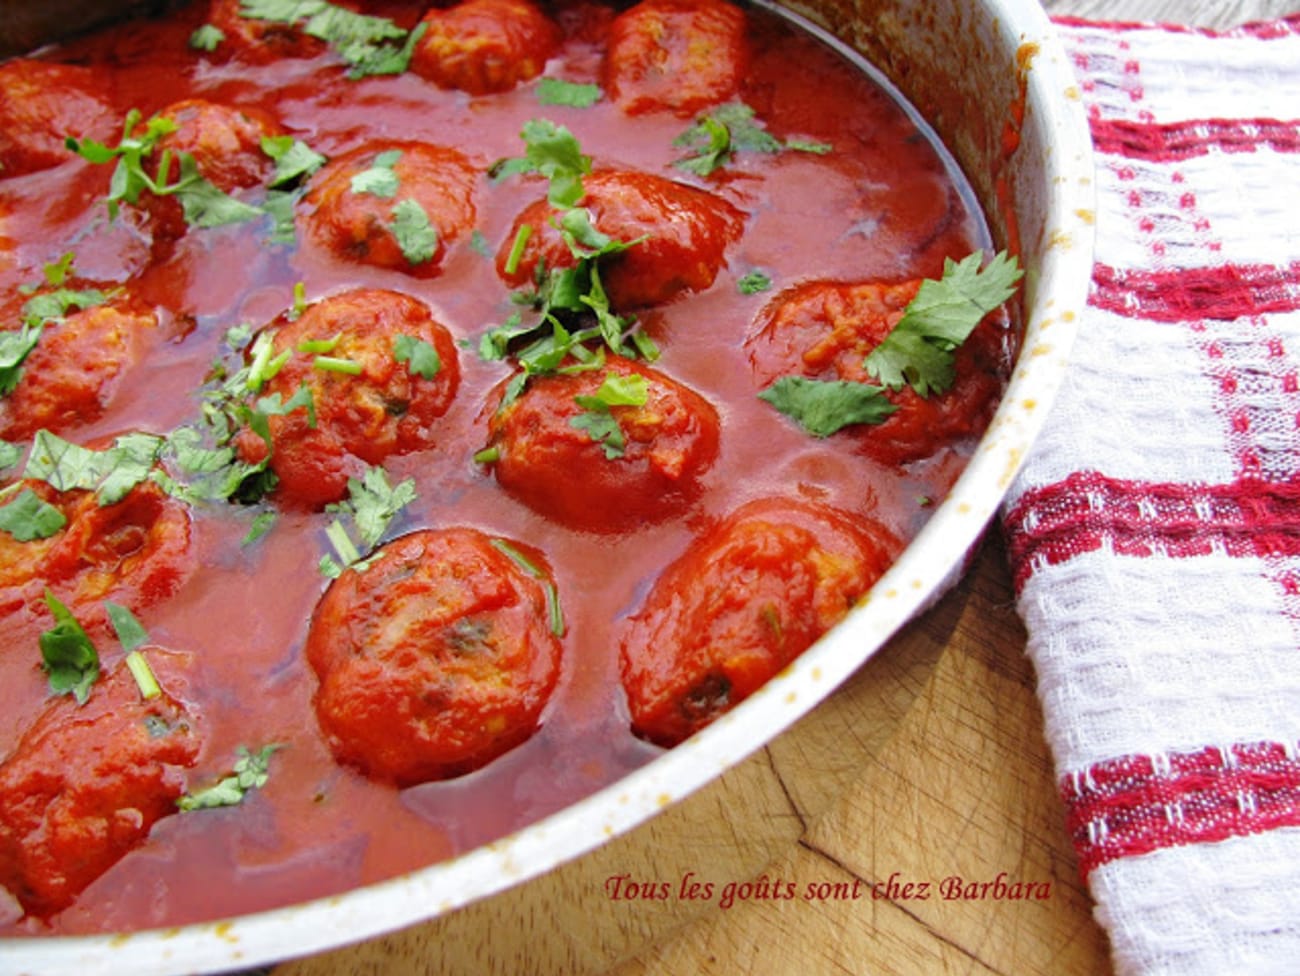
1155 531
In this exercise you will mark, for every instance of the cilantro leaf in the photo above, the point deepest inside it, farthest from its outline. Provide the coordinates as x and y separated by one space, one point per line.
29 517
416 236
371 506
822 407
598 420
67 653
204 205
14 350
130 633
918 351
753 283
715 137
368 44
251 771
556 91
380 180
10 454
110 473
294 159
552 151
420 357
207 37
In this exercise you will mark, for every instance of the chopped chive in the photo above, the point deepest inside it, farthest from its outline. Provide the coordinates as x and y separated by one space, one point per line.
343 545
554 613
143 675
320 346
517 249
332 364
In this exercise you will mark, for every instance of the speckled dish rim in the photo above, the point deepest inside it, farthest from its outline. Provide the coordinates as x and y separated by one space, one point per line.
1056 292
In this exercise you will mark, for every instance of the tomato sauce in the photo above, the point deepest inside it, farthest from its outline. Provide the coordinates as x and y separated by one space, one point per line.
882 205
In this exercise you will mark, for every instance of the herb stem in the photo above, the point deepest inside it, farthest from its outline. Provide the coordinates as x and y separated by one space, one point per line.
143 674
517 248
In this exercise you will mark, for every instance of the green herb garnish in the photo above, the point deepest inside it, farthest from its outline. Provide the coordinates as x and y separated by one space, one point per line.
67 653
250 772
715 137
29 517
556 91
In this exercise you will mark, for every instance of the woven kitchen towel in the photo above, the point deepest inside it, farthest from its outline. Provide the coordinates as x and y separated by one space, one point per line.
1155 531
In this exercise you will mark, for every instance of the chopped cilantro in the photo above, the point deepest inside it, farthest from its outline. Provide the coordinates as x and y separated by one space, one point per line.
130 633
370 507
207 37
132 636
368 44
250 772
334 364
753 283
10 454
110 473
261 525
294 159
14 350
552 151
420 357
918 351
715 137
556 91
822 407
203 204
67 653
598 420
275 406
416 236
29 517
380 180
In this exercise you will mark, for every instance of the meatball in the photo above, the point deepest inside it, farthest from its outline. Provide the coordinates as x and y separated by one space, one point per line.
392 205
85 785
73 374
566 452
825 330
41 104
687 232
135 552
226 142
368 403
259 41
485 46
679 56
741 603
437 657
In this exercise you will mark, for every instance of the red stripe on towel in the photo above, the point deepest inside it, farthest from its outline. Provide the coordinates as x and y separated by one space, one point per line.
1139 804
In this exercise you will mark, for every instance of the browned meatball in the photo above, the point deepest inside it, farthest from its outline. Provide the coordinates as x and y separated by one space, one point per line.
368 403
825 330
135 552
746 599
676 55
437 657
564 452
86 784
260 41
73 373
485 46
225 141
687 232
41 104
393 205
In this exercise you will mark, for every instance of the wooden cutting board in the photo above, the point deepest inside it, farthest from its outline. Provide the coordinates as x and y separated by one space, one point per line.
928 766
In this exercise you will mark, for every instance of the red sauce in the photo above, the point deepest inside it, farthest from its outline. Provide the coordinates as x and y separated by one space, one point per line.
882 206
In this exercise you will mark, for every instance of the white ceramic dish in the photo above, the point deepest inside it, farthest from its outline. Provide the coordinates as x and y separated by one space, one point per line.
971 68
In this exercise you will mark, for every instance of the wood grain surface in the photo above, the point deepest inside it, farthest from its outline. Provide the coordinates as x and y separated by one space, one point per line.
928 765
